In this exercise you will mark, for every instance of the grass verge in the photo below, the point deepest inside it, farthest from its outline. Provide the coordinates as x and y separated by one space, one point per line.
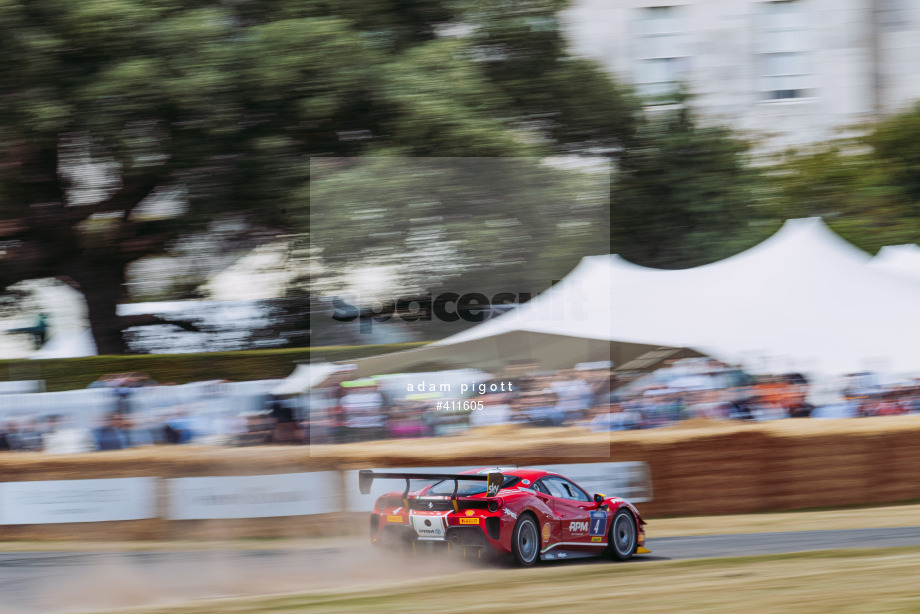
828 581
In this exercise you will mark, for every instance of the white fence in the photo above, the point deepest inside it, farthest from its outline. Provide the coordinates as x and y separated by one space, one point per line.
260 496
57 501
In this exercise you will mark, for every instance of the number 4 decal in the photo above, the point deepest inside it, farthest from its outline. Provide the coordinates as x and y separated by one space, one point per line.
598 523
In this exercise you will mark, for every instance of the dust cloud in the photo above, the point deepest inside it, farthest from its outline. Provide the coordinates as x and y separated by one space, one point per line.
96 582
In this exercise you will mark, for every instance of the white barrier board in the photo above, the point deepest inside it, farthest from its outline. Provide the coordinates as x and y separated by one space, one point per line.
254 496
629 480
57 501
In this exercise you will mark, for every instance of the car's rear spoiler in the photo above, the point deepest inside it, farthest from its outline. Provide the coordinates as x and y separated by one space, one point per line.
493 481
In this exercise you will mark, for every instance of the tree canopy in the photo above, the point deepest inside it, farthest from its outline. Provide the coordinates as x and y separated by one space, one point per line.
683 193
867 186
128 123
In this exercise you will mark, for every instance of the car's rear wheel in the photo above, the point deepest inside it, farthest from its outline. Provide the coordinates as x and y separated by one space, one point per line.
525 541
624 536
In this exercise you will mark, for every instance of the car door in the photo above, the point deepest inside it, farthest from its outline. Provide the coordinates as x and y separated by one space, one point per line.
574 509
550 531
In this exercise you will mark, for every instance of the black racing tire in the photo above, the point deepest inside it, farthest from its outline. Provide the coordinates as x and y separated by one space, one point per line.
623 537
525 541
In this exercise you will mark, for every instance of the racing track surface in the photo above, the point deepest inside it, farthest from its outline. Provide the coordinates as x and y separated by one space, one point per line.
33 582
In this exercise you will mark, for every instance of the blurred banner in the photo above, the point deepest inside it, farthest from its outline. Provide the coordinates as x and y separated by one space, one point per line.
254 496
58 501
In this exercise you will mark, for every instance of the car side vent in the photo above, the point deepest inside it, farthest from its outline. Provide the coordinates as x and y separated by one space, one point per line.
493 527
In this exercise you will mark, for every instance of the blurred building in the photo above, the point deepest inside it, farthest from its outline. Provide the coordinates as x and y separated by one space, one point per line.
792 71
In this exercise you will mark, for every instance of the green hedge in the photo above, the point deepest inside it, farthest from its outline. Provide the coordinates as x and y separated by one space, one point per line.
72 373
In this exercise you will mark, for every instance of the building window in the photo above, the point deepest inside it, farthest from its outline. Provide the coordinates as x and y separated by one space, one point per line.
661 58
784 51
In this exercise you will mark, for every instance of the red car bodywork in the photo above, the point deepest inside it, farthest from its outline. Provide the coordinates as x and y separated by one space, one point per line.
569 527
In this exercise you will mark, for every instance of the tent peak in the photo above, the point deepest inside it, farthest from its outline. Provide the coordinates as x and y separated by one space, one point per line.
906 248
815 220
810 238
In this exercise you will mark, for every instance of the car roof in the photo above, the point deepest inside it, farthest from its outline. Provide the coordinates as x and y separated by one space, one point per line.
527 473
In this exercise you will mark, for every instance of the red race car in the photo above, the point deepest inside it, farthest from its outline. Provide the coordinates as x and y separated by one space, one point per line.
528 513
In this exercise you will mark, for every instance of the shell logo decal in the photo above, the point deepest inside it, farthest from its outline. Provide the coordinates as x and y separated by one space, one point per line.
546 532
469 512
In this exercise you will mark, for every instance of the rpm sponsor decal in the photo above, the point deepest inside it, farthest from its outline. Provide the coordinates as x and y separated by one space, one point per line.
596 539
510 513
598 523
578 526
394 518
431 526
469 521
546 532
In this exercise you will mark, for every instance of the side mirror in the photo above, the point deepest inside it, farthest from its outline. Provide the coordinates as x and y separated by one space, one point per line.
599 498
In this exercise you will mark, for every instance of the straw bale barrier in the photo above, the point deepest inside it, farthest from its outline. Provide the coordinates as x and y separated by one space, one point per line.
697 468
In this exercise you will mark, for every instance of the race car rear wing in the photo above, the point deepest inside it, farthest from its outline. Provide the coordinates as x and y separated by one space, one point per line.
493 482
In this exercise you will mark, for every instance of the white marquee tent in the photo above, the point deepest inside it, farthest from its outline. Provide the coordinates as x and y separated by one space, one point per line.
802 300
900 260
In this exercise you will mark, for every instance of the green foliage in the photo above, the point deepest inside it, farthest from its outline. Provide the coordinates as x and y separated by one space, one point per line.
866 187
683 194
513 224
569 101
74 373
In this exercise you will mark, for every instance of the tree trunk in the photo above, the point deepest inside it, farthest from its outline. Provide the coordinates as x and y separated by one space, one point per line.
101 284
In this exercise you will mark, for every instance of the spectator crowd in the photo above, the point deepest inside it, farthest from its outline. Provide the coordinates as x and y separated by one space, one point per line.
589 395
594 396
128 418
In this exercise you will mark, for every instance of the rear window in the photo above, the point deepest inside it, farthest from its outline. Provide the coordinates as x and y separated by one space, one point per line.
467 488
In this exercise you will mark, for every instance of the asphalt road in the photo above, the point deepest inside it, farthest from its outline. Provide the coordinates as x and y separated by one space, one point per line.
712 546
78 581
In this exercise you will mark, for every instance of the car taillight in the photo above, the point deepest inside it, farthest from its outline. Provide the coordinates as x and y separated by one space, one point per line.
494 504
388 503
